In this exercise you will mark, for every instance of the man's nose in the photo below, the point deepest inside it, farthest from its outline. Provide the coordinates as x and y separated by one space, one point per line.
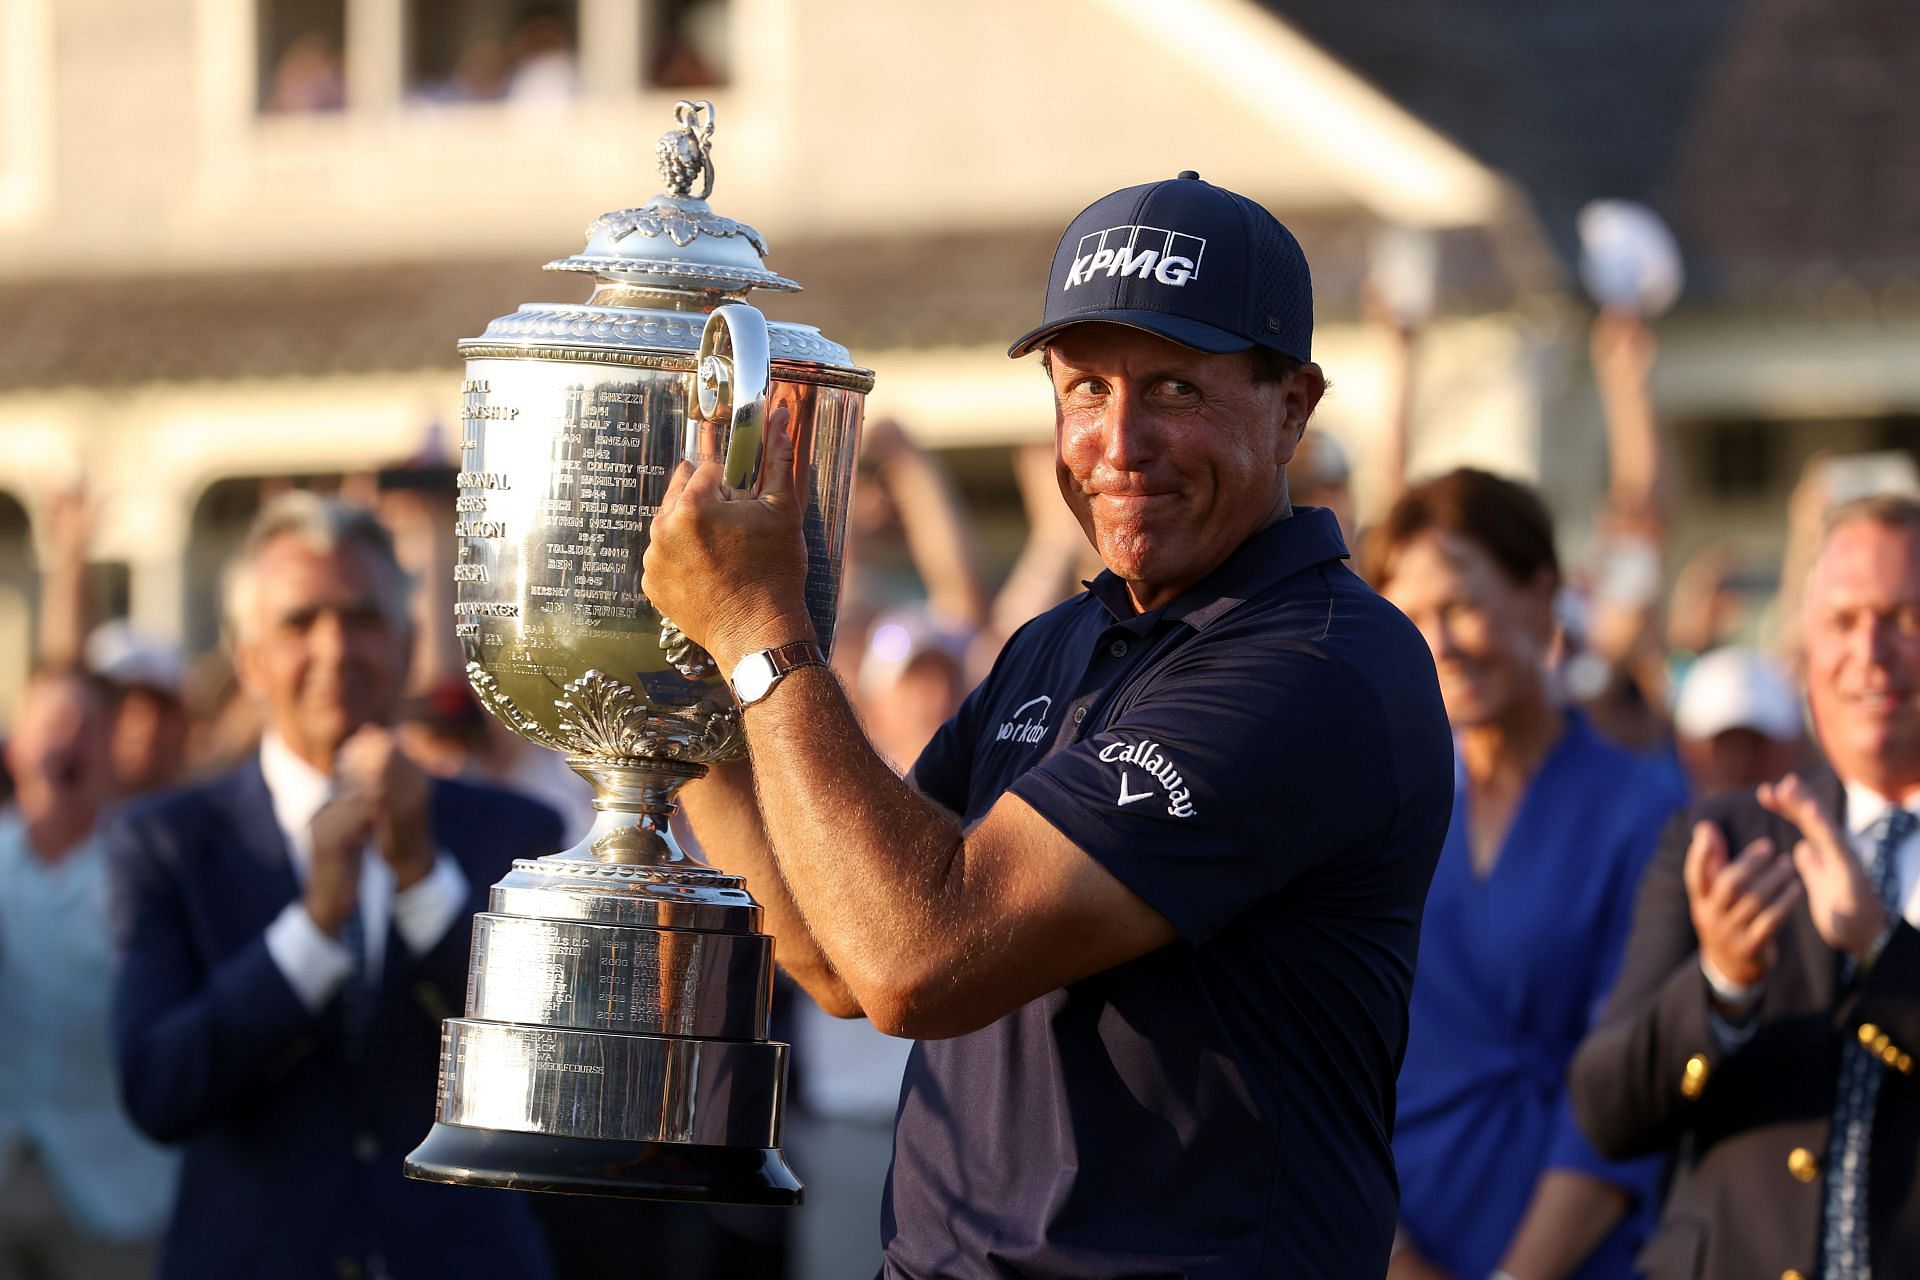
1127 434
327 635
1873 641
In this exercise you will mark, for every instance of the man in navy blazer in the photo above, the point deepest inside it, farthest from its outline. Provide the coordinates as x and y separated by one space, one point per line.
294 933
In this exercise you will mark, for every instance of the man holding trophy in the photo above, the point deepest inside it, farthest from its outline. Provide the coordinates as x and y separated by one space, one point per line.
1151 900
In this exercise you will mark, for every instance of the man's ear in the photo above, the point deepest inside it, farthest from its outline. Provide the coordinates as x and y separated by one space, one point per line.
1305 386
1299 395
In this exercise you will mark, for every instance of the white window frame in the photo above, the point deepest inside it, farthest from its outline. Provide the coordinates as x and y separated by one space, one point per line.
242 151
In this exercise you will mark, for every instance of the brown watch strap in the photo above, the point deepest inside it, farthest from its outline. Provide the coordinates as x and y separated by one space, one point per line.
788 657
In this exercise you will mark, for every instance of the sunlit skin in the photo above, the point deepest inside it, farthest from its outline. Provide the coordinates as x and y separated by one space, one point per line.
1489 635
318 648
1861 631
1169 457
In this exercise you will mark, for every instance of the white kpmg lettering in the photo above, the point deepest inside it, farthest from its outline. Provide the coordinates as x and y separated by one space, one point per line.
1149 757
1121 252
1174 271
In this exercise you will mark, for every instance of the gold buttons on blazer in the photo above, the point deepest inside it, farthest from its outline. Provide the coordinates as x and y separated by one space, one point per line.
1904 1064
1791 1274
1868 1033
1694 1082
1802 1165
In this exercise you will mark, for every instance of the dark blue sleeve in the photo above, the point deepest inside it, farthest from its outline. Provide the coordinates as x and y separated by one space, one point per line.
192 1042
944 770
1234 770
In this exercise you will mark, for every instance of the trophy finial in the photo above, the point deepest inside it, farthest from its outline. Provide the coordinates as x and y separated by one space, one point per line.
685 154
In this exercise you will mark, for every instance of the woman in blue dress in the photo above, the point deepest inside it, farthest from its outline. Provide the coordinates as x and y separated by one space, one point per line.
1528 912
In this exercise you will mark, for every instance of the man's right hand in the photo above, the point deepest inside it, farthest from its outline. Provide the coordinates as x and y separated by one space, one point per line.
340 831
1738 906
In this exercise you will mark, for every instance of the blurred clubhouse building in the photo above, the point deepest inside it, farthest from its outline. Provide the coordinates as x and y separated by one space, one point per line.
240 238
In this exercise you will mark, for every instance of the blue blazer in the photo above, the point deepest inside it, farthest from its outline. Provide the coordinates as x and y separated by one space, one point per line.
292 1152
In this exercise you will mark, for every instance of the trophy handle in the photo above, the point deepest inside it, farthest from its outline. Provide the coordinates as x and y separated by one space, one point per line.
733 375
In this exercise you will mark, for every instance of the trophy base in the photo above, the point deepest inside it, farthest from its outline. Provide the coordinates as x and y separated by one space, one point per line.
471 1157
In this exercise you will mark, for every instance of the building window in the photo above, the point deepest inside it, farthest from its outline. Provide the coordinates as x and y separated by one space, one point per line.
684 44
1738 461
302 56
492 50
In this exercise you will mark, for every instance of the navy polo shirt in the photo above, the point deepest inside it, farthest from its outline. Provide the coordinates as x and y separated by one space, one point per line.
1266 762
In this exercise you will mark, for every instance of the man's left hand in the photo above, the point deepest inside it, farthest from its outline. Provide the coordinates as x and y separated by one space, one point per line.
1846 907
730 567
371 763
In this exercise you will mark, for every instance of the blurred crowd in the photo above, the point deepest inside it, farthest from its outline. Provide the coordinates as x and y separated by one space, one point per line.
1590 699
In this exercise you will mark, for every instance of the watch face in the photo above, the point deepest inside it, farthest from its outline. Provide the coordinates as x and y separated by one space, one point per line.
752 678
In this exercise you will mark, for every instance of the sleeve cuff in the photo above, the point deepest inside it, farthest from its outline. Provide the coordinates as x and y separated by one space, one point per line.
1731 993
423 914
313 964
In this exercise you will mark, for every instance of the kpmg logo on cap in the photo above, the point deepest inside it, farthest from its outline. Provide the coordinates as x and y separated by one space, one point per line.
1171 257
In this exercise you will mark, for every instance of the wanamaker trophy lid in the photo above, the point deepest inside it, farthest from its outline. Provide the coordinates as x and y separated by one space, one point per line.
660 268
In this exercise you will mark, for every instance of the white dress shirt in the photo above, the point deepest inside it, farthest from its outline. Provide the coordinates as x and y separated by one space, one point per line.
1866 809
314 962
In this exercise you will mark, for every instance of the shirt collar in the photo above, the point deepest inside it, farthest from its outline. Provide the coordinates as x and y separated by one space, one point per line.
1309 537
1866 808
296 788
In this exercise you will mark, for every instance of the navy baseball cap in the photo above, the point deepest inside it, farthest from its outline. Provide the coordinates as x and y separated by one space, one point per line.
1194 263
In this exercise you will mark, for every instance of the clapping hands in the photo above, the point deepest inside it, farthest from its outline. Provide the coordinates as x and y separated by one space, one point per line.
1738 906
382 797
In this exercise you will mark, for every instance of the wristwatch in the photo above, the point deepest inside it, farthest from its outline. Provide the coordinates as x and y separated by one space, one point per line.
755 675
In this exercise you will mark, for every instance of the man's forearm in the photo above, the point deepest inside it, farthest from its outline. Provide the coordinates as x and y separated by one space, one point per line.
726 820
867 859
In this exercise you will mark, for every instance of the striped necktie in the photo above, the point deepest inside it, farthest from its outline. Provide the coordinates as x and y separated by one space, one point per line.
1844 1242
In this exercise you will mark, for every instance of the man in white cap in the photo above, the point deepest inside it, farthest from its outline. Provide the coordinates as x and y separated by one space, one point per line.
1737 721
149 731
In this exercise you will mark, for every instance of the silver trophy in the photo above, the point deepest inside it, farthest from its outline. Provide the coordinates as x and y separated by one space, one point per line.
615 1037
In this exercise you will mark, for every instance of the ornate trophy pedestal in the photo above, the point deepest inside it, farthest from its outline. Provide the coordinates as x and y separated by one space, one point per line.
615 1038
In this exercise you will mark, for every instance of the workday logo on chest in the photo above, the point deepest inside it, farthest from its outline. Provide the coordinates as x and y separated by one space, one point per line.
1170 257
1028 723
